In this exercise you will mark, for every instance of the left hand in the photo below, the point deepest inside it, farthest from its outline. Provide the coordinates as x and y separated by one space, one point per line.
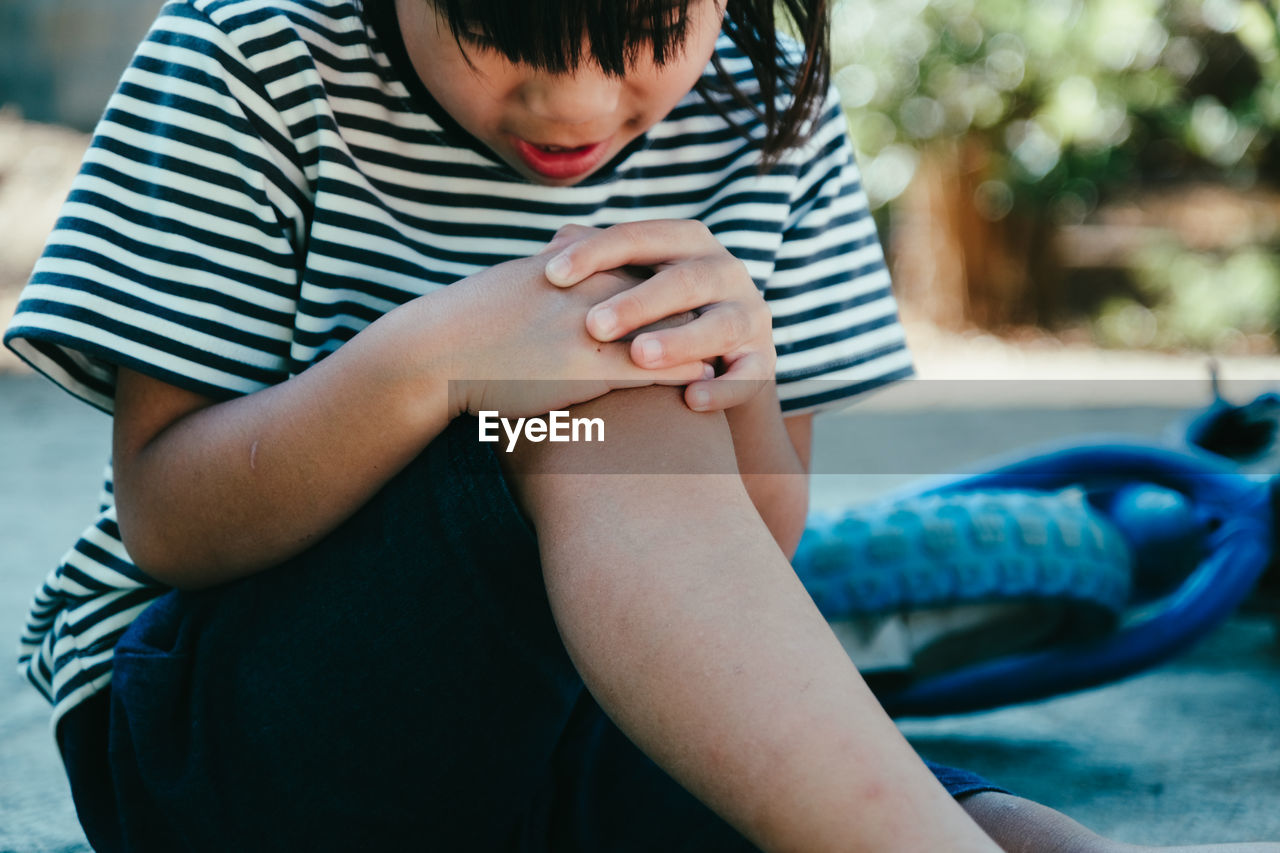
692 271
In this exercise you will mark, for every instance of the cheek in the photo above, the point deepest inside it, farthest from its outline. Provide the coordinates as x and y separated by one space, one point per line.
474 100
679 79
673 84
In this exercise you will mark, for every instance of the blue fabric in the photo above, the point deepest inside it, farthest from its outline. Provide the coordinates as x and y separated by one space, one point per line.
273 713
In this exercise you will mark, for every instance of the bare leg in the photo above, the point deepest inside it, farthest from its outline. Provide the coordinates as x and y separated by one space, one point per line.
1023 826
689 627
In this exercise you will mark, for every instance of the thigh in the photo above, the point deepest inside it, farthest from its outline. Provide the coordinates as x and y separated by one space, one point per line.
401 680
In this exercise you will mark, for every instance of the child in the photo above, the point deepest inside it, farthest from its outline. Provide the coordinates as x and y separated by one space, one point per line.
311 241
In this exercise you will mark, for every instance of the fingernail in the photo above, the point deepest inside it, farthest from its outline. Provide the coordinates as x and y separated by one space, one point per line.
651 350
708 372
559 269
605 320
700 400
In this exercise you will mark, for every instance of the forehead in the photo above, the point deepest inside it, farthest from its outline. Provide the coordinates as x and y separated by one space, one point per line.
561 35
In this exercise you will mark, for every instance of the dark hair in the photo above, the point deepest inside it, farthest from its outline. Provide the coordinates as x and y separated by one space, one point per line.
548 34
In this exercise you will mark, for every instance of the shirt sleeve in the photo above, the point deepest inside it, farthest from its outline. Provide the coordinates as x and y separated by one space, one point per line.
176 252
835 321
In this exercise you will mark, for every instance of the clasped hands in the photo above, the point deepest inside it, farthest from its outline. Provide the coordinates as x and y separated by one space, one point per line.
731 331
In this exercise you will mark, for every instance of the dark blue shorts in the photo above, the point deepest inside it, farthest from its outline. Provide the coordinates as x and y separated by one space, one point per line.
401 685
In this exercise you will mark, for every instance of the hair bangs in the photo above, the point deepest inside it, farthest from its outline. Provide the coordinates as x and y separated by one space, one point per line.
559 36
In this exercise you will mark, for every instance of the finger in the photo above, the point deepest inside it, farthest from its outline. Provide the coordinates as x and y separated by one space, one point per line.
680 374
744 379
616 366
566 236
725 327
707 372
671 322
676 289
645 244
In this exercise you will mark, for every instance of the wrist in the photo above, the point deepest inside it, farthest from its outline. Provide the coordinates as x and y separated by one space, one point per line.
418 345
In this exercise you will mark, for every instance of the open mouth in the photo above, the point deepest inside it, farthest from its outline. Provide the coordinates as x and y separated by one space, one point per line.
560 149
560 162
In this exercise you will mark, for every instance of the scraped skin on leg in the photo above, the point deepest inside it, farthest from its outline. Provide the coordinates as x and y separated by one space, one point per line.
693 633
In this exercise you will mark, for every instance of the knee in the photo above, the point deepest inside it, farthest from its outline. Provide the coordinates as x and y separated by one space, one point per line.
644 431
639 431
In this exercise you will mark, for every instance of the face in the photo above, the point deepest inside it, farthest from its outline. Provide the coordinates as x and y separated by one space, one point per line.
554 129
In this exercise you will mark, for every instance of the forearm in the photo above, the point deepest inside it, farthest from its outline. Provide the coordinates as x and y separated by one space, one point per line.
207 492
690 629
772 472
233 487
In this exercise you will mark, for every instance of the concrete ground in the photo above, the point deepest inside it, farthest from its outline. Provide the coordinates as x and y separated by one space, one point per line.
1186 753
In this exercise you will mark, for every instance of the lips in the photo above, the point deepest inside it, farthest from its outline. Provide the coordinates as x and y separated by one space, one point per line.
559 162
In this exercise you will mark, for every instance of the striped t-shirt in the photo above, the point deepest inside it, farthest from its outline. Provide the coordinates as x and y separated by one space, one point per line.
270 177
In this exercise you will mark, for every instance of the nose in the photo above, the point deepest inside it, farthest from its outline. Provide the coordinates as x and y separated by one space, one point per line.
579 98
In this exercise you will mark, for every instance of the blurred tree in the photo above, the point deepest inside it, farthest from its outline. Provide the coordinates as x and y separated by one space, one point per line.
995 127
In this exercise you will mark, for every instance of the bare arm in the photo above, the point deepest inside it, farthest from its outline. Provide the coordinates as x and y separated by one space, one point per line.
208 492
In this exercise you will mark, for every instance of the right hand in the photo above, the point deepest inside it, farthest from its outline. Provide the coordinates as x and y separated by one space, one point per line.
525 349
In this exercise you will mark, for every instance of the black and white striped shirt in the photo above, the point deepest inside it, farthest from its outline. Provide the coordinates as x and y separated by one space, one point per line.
269 178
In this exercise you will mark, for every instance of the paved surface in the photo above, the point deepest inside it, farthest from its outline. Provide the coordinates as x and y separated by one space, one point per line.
52 450
1187 753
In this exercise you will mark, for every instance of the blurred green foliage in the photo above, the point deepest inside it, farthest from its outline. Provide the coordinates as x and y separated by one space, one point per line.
1077 101
1072 95
1210 302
